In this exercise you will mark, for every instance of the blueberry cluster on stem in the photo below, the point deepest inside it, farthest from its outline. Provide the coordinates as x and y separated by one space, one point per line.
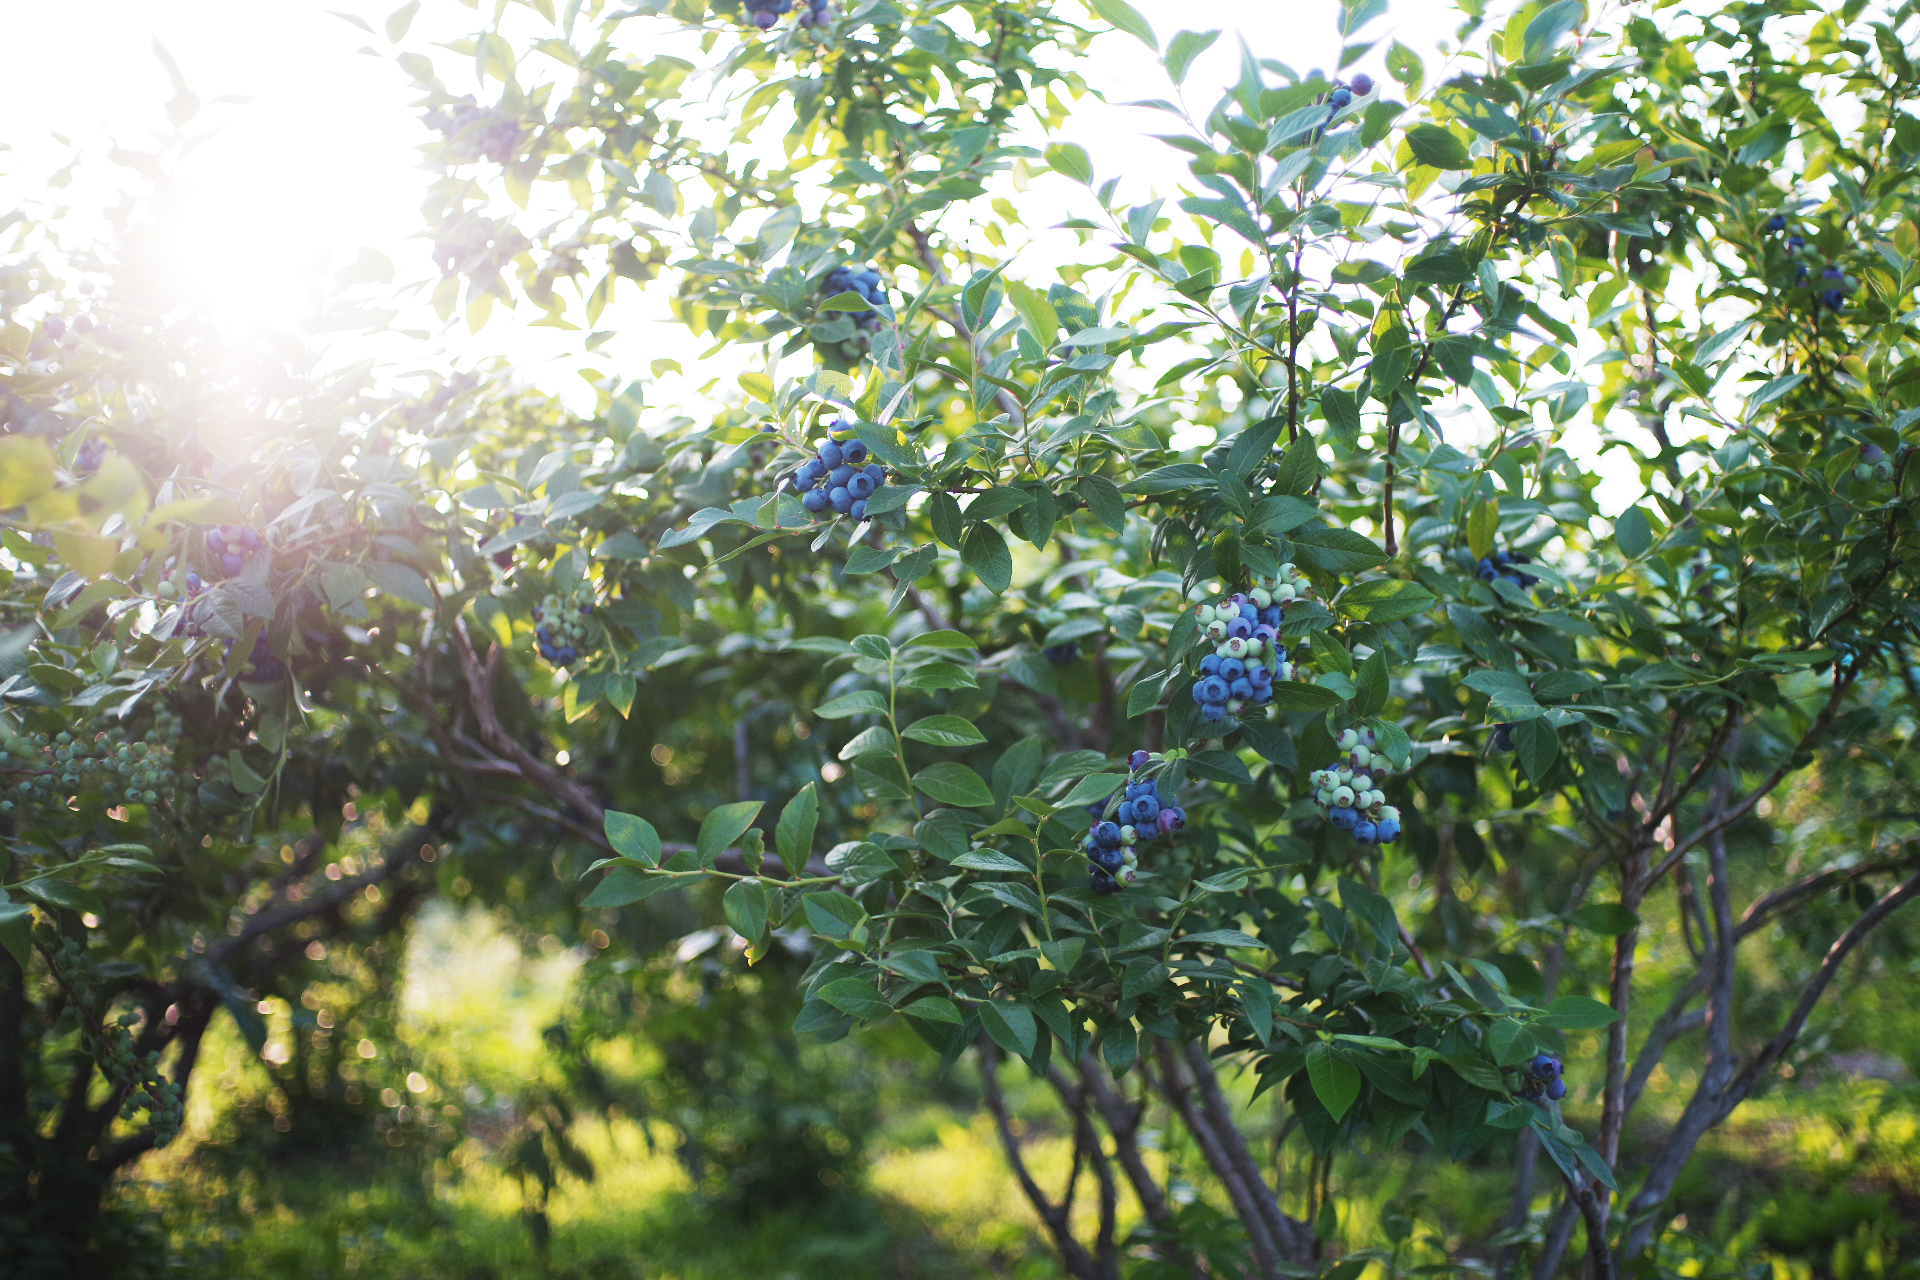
560 628
1247 656
1350 793
1501 565
838 478
92 453
231 542
109 762
1144 814
1874 464
1541 1077
765 13
862 280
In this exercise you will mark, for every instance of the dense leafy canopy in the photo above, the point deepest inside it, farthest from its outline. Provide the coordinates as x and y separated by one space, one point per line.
1398 314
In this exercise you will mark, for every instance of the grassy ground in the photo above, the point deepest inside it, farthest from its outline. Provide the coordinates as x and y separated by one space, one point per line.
1819 1178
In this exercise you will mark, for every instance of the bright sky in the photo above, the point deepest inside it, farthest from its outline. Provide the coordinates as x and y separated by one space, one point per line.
320 159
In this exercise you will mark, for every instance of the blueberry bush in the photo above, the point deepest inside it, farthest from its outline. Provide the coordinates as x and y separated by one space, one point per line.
1226 668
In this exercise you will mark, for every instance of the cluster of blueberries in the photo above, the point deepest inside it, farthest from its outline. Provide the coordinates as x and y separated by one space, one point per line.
1247 657
484 131
92 453
838 478
1350 793
1144 814
1503 737
118 765
1874 464
1501 565
1542 1077
1834 296
764 13
864 281
560 628
1342 95
230 542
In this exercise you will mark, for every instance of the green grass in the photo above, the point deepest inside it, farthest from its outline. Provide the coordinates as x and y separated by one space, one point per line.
1817 1178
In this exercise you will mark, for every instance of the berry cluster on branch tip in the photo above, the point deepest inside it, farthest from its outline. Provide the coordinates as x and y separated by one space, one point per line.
1501 564
560 628
839 478
1350 795
230 544
1144 814
108 762
864 281
1542 1076
1243 630
1874 464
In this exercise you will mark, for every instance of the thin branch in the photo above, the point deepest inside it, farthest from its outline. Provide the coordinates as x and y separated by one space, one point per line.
1820 722
1053 1216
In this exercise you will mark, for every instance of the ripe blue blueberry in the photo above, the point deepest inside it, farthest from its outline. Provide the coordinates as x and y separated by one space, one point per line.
1778 222
831 455
815 500
842 500
1387 830
860 484
859 509
1344 818
838 477
1365 832
854 453
1138 761
1106 834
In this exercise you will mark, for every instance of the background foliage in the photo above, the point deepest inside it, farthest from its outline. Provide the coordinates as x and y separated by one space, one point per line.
310 669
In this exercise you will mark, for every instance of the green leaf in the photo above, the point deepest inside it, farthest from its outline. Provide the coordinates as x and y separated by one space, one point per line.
1372 683
16 931
1105 501
1578 1013
1336 1081
832 914
793 836
858 703
934 1009
1632 534
1538 746
985 552
988 860
1184 48
1435 147
1090 789
1385 600
623 886
951 783
1221 938
745 904
1127 18
56 892
1296 695
942 640
855 997
1483 526
944 731
1609 918
1072 160
633 837
1011 1026
399 580
722 827
1550 26
1338 550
